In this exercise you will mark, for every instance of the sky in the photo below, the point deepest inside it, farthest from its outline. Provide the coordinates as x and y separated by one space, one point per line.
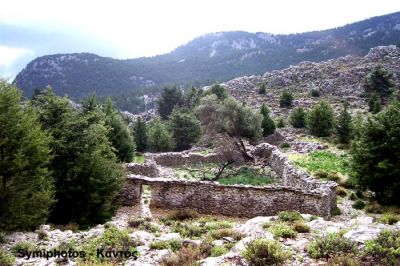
132 28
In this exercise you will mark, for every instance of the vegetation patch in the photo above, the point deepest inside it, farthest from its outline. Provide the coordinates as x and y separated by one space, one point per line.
385 248
171 244
6 258
283 230
330 245
389 218
247 176
290 216
265 252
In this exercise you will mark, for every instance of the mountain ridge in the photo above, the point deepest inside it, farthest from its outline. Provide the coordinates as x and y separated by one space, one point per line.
212 57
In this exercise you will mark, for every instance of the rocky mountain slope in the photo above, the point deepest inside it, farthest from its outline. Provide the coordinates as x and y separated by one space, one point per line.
336 79
218 56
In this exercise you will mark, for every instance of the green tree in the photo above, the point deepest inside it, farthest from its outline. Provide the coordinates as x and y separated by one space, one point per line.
140 131
119 134
158 136
219 91
192 98
185 128
26 187
262 89
344 126
87 175
376 155
267 124
380 80
374 103
286 99
298 117
320 120
170 97
280 123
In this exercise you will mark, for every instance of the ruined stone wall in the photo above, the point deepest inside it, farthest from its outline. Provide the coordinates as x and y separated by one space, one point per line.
233 200
182 158
300 191
146 169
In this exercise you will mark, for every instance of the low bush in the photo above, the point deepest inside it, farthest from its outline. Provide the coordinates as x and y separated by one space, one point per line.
389 218
42 234
226 232
358 204
336 211
315 93
182 214
262 252
143 223
385 248
374 207
217 251
171 244
6 258
112 239
283 230
3 237
185 256
341 191
25 246
285 145
330 245
353 196
300 227
343 260
333 176
290 216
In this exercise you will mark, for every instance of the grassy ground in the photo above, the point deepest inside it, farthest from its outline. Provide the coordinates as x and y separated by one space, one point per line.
326 161
139 158
245 175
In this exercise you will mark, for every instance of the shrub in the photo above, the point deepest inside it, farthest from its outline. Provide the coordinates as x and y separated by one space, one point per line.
333 176
353 196
262 89
374 103
171 244
3 237
158 137
42 234
298 117
226 232
320 120
344 125
380 80
286 99
389 218
315 93
343 260
136 222
321 174
283 230
300 227
267 124
74 227
262 252
341 191
374 207
169 98
112 239
218 251
280 123
182 214
290 216
336 211
385 248
6 258
329 245
25 246
185 256
375 155
358 204
285 145
189 230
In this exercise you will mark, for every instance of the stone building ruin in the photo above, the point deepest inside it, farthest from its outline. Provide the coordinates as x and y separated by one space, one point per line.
298 190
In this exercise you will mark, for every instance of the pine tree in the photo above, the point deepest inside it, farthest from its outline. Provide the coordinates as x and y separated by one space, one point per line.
140 131
26 187
185 128
119 134
280 123
158 136
320 120
267 124
298 117
286 99
380 80
85 169
344 125
376 155
374 103
170 97
219 91
262 89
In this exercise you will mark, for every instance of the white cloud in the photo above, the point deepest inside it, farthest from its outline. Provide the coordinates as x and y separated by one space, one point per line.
8 55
